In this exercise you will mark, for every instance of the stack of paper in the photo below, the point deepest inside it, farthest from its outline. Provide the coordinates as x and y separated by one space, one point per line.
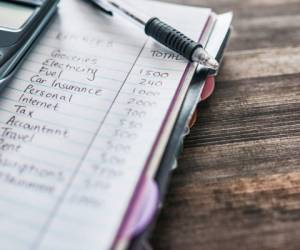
86 120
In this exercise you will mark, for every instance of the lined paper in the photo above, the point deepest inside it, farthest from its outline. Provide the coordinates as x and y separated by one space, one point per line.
78 123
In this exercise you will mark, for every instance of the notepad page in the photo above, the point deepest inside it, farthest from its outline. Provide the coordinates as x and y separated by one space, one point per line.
78 123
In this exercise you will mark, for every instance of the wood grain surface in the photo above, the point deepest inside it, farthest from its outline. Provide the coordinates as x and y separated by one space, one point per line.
238 181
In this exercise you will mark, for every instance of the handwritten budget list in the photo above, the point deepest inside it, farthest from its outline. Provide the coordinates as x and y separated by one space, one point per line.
78 123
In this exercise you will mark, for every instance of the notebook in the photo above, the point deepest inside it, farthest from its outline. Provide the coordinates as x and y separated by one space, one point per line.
86 116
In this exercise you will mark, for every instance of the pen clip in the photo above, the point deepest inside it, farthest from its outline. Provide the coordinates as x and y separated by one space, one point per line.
102 6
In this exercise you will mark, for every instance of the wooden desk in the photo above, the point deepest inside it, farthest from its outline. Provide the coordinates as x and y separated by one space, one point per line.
238 181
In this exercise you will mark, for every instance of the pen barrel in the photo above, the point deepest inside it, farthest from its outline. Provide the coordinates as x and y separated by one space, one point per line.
171 38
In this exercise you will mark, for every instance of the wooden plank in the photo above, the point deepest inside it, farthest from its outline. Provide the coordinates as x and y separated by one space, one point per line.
245 213
255 33
258 157
260 63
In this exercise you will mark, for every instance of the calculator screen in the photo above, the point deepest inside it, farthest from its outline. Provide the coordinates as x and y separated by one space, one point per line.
14 15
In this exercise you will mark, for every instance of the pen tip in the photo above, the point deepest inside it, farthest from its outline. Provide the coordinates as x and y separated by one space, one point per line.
202 57
212 64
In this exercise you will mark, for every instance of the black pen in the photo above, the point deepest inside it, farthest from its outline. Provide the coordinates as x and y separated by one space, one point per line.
161 32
